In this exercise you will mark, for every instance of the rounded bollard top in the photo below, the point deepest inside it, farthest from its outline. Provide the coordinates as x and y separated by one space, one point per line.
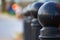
34 8
49 14
26 11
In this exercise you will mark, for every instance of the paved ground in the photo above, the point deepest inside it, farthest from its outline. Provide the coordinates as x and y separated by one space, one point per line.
9 25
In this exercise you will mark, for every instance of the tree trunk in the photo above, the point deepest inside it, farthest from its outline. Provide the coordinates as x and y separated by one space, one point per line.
3 5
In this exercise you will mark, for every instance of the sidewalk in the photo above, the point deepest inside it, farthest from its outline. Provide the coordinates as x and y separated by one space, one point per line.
5 15
9 25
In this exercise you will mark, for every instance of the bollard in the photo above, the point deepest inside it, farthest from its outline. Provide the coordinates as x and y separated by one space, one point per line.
27 22
49 19
35 26
35 29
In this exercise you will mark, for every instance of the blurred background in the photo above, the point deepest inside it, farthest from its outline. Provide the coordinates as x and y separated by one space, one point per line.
11 19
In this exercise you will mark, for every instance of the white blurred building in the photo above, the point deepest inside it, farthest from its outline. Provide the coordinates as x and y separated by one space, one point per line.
18 1
49 0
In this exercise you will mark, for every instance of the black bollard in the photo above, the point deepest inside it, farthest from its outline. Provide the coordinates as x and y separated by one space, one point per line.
27 22
35 29
34 23
49 19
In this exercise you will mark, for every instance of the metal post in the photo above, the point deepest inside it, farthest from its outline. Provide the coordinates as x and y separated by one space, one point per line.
27 22
35 27
49 19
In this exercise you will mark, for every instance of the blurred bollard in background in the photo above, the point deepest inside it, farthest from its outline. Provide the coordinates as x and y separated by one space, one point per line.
27 22
35 26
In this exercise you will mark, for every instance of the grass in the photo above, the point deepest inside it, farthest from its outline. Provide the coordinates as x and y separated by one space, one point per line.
8 14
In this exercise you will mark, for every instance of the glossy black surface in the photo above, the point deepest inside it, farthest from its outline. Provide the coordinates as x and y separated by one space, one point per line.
26 10
35 26
27 28
49 19
27 22
34 9
49 14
